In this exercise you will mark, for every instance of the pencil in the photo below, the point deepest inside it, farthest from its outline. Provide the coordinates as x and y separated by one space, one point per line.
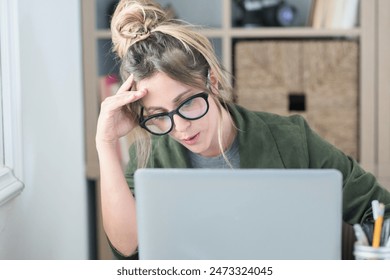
378 226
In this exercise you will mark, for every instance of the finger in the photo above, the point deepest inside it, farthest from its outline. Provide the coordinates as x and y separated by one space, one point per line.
119 100
133 96
126 86
140 93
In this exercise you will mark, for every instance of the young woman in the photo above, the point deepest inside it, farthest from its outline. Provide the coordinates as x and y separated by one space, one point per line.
176 101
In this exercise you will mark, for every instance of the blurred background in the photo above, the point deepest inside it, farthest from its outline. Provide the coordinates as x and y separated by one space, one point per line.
324 59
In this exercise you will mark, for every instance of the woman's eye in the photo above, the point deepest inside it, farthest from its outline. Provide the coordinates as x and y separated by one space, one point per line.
187 103
154 112
160 117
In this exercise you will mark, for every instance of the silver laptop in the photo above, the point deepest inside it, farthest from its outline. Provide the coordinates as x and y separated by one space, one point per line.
250 214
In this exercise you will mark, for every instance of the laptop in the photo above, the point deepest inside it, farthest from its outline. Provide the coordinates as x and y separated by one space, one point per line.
242 214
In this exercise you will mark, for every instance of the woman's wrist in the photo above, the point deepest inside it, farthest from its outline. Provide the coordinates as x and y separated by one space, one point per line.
106 146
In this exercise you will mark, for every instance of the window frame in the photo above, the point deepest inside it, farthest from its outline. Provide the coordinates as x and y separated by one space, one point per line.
11 153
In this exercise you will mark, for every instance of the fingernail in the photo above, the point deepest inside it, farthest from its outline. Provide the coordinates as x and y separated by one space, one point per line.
138 93
141 92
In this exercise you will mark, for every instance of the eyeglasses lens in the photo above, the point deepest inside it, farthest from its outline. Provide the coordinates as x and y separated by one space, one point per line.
191 109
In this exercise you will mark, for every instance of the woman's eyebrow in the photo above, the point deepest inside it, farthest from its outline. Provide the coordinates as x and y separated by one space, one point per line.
179 98
152 109
176 100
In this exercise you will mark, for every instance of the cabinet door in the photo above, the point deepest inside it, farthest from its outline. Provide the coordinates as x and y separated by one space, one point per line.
315 78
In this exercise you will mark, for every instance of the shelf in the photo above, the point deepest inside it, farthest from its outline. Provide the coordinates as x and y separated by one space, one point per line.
296 32
103 34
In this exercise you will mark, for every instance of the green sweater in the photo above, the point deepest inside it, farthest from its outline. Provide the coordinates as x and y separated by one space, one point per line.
271 141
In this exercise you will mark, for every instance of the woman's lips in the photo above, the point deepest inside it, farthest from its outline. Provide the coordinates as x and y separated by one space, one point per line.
191 140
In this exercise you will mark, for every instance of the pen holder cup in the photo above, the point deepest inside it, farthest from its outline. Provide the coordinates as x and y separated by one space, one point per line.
362 252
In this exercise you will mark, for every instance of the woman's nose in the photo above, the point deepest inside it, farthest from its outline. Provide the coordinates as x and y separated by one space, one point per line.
181 124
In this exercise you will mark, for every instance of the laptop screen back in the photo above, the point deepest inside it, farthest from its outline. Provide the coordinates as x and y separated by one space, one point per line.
239 214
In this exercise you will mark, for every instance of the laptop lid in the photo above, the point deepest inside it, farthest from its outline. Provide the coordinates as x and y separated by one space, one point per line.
239 214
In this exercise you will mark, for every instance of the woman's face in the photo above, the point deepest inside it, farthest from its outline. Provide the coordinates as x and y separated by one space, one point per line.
164 95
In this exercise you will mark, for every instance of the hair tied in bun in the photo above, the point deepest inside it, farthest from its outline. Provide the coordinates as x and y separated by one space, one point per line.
139 36
134 21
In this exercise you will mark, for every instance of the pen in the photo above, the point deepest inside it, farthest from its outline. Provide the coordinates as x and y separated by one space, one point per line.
360 235
378 216
375 208
388 242
385 231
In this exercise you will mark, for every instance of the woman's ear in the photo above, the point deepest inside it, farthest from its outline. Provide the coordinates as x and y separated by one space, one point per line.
212 81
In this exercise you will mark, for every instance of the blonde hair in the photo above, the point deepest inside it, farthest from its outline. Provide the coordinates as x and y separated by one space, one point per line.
148 41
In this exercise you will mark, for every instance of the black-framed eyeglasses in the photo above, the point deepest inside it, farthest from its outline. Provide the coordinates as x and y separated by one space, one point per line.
192 108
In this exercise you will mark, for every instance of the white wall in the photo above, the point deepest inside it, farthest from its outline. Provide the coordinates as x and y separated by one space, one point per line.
49 219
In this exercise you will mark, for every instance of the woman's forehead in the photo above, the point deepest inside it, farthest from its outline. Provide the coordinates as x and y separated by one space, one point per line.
163 90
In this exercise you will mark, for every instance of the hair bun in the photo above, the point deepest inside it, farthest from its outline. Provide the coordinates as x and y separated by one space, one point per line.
133 21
